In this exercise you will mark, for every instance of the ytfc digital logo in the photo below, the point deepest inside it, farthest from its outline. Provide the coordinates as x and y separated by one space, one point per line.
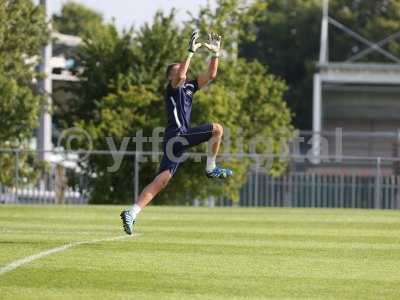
77 145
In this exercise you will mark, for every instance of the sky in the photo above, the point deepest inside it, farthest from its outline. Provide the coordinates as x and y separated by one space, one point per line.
134 12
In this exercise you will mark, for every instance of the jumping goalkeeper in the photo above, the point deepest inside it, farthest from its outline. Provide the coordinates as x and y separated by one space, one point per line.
178 135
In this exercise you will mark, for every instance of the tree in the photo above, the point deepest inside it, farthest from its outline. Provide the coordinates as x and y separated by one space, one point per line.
288 39
120 93
23 32
77 19
122 88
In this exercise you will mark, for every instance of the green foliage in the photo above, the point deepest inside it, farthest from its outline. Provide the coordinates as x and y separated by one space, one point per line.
122 90
23 31
288 37
77 19
28 165
249 103
120 93
232 18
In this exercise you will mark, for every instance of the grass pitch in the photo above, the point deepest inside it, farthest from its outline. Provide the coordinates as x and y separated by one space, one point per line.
201 253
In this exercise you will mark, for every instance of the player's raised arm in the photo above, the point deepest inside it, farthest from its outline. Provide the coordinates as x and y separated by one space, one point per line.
180 76
214 45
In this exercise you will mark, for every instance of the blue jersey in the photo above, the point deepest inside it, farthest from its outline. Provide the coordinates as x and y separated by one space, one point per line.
178 104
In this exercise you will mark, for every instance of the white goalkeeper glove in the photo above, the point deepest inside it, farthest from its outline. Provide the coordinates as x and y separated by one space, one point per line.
214 44
193 45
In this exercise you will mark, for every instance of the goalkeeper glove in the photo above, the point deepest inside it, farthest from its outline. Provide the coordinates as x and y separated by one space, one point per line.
193 45
214 44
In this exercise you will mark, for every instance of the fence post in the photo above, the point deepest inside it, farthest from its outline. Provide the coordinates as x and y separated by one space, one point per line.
256 184
137 155
378 183
16 174
313 186
250 188
211 201
397 191
353 190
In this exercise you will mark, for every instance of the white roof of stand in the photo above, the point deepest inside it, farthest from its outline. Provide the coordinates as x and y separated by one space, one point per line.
360 73
65 39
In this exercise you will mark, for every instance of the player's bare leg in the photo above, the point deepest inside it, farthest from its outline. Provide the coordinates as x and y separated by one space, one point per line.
212 171
150 191
213 146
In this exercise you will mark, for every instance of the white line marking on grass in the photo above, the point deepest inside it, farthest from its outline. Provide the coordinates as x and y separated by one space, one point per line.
28 259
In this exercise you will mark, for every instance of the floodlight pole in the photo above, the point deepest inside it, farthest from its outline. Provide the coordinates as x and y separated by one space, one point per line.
317 117
45 87
317 90
323 54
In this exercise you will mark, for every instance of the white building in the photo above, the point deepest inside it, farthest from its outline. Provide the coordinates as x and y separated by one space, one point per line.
359 97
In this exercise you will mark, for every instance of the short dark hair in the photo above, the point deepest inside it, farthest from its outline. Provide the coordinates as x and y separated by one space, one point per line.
169 68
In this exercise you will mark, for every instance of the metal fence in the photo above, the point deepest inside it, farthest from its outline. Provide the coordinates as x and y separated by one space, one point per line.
25 179
351 182
300 189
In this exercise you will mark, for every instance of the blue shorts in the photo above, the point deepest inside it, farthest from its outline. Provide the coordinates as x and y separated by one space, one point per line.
175 145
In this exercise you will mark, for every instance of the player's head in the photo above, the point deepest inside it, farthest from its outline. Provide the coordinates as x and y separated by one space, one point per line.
172 69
